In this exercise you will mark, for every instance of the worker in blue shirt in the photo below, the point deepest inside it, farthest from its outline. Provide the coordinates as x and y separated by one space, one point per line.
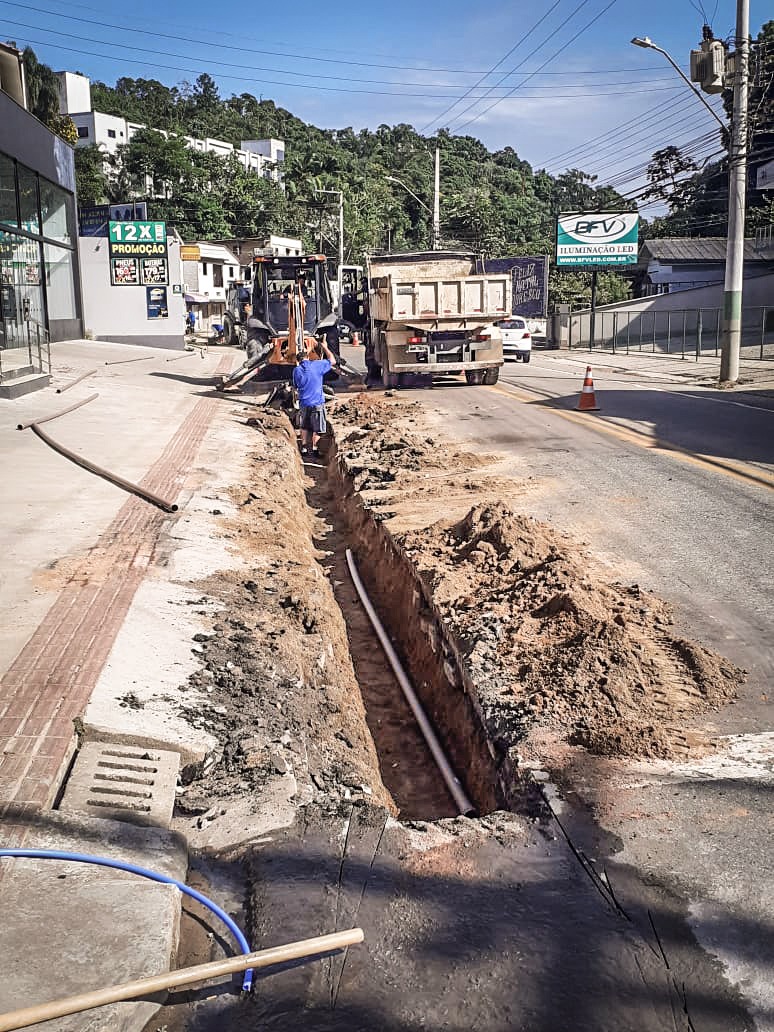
308 381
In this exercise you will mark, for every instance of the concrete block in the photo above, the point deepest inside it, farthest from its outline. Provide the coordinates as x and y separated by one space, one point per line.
71 927
128 783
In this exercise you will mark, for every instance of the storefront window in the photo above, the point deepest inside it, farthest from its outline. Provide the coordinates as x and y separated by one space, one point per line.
21 292
56 207
7 191
28 199
60 289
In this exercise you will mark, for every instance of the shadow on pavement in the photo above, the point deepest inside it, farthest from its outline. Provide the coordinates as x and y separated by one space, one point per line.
723 431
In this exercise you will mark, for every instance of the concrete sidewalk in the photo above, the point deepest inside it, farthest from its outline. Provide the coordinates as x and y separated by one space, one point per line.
77 550
754 374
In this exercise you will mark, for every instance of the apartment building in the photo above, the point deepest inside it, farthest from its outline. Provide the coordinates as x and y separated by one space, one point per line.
108 132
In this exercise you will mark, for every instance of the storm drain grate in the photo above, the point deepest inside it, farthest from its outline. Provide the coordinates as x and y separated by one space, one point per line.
123 783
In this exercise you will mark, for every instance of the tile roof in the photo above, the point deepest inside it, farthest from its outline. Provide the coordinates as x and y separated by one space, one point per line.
693 249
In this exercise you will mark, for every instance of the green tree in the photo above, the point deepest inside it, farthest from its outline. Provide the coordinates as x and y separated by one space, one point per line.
43 97
664 173
90 175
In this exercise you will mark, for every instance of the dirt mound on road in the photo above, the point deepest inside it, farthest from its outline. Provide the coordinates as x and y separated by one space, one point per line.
552 646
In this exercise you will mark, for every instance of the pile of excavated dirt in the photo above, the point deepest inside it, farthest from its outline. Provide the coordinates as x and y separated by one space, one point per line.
550 645
384 439
283 698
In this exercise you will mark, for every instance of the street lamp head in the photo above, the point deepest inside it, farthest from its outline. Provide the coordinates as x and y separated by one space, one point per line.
643 41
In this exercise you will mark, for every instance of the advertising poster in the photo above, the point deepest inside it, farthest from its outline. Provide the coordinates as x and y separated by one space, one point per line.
129 245
156 302
124 272
597 238
154 270
530 283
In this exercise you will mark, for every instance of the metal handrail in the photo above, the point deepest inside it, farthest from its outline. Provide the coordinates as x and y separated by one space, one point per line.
41 331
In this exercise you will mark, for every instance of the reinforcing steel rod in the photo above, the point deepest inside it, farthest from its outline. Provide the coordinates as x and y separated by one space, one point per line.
186 976
463 804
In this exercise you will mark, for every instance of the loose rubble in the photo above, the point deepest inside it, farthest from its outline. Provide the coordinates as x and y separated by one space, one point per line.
282 696
549 644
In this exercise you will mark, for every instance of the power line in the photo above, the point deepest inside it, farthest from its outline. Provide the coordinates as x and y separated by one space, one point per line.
436 121
136 29
563 155
642 148
316 87
310 75
547 61
663 118
522 63
300 74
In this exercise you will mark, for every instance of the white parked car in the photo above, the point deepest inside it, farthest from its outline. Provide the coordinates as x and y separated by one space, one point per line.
517 339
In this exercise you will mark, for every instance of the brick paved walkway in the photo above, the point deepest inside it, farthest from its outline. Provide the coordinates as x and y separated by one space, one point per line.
51 680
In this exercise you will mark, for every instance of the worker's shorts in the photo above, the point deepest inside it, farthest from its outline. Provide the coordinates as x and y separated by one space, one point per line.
312 418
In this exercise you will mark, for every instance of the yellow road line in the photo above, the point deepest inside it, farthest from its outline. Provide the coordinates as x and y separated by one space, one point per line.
729 467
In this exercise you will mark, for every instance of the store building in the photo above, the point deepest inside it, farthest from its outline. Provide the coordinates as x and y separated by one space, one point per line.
39 276
208 269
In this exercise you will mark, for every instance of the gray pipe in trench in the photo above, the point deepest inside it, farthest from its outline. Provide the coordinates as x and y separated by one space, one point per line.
453 783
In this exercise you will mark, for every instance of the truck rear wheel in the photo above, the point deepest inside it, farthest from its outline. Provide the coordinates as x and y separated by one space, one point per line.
475 377
491 376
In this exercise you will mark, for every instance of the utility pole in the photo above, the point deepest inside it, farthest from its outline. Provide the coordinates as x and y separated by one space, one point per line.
341 251
737 186
340 277
437 202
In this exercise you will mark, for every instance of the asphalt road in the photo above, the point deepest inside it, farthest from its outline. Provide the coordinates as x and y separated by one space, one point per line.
670 484
693 524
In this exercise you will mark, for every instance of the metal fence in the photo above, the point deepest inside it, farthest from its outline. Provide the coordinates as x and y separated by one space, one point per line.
684 333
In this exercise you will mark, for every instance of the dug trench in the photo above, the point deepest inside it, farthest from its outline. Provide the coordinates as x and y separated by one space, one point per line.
323 794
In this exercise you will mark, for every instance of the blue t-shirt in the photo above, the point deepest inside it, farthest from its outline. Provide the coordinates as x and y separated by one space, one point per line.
308 381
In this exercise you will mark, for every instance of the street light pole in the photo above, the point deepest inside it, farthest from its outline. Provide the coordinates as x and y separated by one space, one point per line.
737 188
646 43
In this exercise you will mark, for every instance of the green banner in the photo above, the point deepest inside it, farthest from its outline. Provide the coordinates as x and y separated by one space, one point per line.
138 253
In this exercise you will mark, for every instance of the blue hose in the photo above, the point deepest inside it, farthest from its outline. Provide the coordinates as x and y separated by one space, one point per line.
120 865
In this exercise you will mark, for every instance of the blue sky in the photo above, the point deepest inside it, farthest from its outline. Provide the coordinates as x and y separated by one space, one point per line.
364 64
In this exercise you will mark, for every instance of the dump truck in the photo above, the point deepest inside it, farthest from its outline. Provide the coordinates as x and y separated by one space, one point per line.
433 314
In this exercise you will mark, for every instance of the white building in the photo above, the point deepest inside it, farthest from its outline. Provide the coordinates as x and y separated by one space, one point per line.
206 278
151 316
108 132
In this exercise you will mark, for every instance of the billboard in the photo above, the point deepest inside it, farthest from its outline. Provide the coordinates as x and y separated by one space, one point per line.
597 238
530 283
765 179
93 220
138 253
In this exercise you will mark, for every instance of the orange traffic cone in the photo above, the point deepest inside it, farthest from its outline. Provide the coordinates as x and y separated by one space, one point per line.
588 399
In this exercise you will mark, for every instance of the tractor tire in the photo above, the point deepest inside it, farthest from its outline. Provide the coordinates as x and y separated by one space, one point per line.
229 333
491 376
